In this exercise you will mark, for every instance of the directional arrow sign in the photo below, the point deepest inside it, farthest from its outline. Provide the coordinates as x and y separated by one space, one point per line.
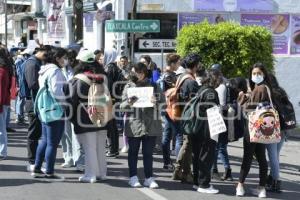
157 44
127 26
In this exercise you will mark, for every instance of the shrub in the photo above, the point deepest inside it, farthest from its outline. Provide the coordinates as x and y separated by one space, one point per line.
234 46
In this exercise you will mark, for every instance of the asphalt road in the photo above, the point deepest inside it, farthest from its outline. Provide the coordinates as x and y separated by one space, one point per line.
17 184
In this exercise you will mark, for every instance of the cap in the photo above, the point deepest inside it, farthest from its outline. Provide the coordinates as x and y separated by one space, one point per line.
86 55
216 67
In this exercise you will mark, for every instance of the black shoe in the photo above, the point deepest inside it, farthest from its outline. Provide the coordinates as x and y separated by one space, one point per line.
269 182
112 154
170 167
215 175
37 173
275 186
227 175
10 130
54 176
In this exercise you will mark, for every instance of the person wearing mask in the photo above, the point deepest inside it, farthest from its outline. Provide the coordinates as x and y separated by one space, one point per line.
6 73
115 79
141 126
203 147
90 136
259 81
32 68
51 76
153 72
187 90
168 80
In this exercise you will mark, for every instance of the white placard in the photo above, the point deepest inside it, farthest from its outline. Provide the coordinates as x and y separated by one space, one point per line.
216 122
144 95
157 44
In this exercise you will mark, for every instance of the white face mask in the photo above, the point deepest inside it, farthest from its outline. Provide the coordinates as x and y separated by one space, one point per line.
66 62
257 79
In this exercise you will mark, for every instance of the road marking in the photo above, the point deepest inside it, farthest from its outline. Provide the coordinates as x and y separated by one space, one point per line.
151 194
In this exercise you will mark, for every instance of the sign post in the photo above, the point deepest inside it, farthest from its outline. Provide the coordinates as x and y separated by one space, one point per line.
133 26
158 44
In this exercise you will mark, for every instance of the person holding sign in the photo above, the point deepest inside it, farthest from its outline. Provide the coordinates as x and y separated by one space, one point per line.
142 123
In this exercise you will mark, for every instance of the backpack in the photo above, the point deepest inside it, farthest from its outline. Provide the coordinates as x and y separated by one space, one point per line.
99 109
285 109
234 119
24 91
191 121
174 109
46 106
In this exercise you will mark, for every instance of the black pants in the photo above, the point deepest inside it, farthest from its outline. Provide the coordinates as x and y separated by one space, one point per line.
113 136
260 153
34 134
203 159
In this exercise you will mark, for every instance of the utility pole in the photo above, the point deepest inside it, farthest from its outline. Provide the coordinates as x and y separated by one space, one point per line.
6 24
133 16
78 14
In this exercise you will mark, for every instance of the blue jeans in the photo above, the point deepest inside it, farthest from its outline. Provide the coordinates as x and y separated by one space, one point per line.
47 148
20 103
148 144
274 154
7 116
3 133
171 128
221 152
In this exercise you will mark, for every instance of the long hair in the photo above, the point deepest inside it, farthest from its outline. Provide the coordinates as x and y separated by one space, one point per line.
213 79
265 72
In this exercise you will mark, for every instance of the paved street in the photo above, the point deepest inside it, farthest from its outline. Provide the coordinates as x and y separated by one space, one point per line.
17 184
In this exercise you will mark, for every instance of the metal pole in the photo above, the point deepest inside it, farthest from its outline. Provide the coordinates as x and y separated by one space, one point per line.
133 16
162 59
6 23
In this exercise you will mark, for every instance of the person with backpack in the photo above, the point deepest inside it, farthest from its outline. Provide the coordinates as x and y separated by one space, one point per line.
30 82
79 92
259 85
6 73
115 79
221 148
167 81
20 102
187 88
287 122
195 124
51 81
142 126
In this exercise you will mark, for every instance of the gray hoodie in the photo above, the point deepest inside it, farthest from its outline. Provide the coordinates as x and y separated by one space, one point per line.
110 55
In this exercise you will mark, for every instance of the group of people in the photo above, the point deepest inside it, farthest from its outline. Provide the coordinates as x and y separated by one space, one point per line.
68 76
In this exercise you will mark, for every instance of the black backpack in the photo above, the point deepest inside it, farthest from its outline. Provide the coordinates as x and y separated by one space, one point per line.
285 109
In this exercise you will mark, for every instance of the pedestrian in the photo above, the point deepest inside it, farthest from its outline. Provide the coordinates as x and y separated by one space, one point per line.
5 77
171 128
51 77
91 137
153 72
31 68
258 81
141 126
188 89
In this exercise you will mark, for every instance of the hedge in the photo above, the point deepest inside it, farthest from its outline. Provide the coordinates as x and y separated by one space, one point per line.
234 46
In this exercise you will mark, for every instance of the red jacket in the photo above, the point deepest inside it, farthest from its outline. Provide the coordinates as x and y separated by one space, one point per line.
5 82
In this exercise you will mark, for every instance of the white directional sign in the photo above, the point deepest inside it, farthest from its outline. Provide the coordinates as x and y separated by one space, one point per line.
157 44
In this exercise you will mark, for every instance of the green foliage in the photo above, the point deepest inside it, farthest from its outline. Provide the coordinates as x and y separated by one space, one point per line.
234 46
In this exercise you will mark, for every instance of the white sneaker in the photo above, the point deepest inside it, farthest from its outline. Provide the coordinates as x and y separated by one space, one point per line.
262 192
210 190
124 149
30 168
151 183
85 179
67 165
240 191
101 178
134 182
43 169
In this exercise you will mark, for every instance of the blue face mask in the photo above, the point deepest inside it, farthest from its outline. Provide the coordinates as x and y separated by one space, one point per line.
257 79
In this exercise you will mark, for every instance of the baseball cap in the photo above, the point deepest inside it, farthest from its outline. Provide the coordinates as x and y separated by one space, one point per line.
86 55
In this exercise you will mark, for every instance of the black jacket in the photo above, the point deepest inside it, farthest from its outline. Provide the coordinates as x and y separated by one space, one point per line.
76 92
32 68
169 80
188 89
115 79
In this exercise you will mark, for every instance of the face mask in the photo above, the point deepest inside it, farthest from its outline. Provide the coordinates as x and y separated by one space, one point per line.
257 79
66 62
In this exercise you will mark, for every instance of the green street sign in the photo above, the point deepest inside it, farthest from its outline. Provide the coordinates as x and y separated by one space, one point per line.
128 26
